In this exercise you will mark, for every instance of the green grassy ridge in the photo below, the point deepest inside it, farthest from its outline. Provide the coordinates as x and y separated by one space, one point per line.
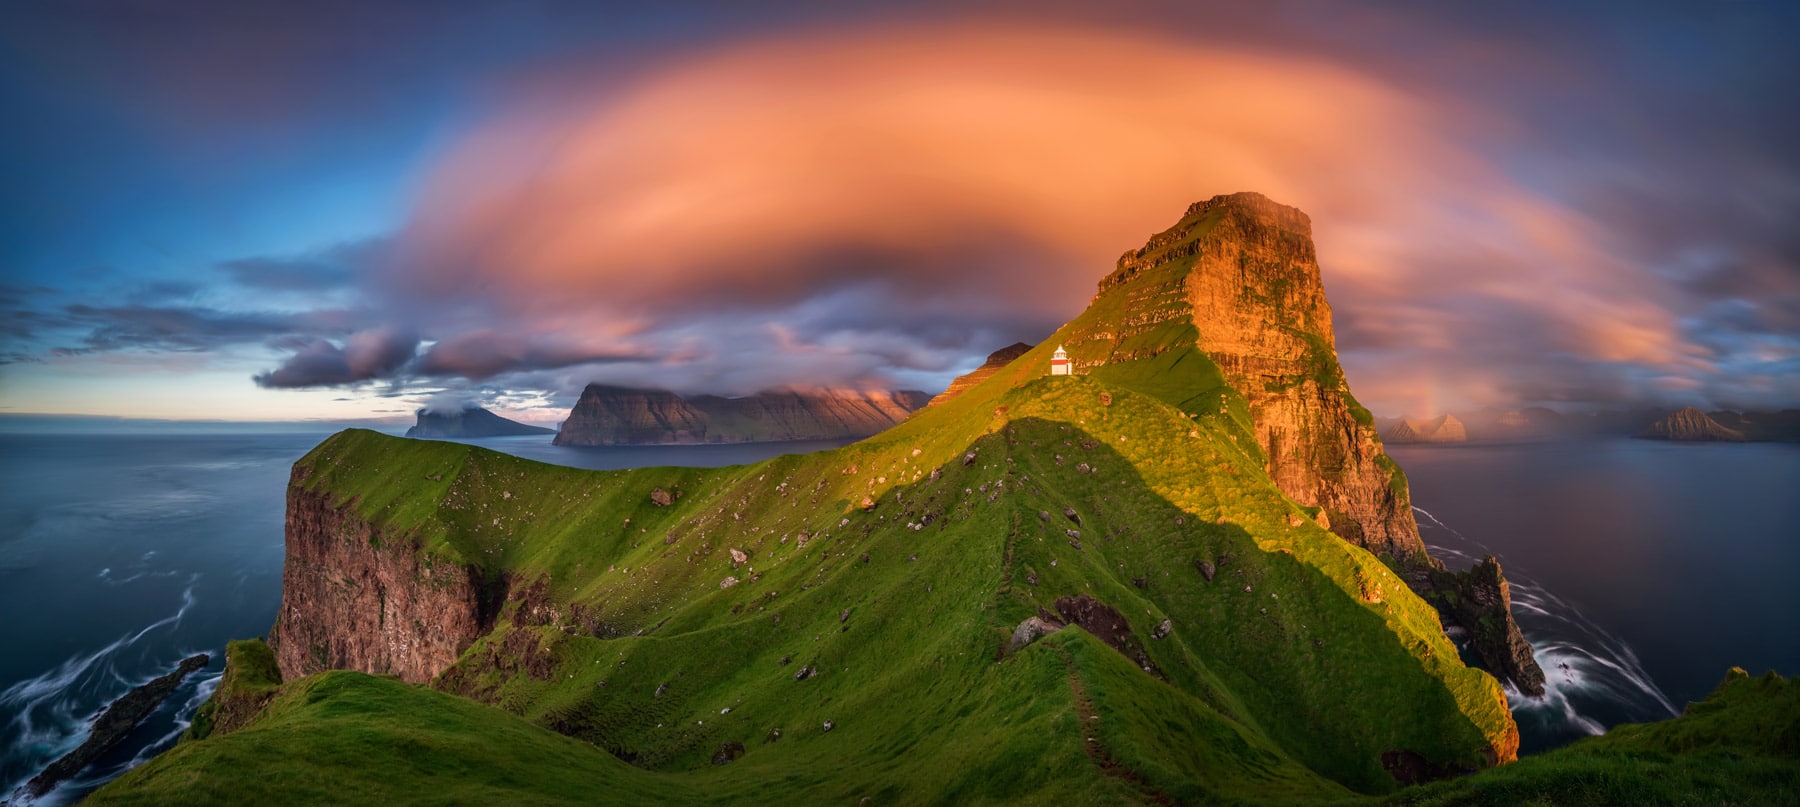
665 588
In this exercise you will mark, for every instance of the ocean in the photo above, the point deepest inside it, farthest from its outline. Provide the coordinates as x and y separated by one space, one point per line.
1641 570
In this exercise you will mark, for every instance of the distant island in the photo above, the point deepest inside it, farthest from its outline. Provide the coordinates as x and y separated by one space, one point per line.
1443 429
995 360
1689 424
470 421
611 416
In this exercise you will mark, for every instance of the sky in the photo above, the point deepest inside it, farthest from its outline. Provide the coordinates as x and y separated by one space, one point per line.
341 210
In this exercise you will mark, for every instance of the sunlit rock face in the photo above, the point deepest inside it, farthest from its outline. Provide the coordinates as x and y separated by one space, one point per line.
1255 299
1691 424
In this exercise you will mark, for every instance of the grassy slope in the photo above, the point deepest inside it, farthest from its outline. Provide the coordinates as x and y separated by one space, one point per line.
1740 746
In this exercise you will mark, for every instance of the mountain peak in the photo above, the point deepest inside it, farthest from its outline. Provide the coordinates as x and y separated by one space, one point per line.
1691 424
1259 206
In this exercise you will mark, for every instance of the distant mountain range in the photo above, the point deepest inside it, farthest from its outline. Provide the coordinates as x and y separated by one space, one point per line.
1539 423
472 421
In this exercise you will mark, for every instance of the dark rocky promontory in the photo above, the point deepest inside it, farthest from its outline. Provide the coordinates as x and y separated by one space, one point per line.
113 724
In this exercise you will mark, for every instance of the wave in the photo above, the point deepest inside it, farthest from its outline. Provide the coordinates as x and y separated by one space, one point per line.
52 711
1592 678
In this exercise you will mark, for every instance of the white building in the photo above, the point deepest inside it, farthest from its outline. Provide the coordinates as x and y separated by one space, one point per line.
1059 362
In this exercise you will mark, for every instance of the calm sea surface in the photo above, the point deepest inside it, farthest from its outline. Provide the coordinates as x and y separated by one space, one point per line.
1642 570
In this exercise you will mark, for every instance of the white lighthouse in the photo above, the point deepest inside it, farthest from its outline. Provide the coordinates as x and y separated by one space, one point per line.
1059 362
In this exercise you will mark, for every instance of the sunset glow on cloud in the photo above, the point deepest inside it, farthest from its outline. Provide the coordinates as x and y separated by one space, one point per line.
880 203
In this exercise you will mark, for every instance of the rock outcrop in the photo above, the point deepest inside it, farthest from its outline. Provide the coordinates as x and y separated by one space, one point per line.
995 360
607 416
1480 600
1443 429
113 724
469 422
1241 271
1691 425
356 598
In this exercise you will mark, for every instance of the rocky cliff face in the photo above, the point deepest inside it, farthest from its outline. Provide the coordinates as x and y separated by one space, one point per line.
995 360
469 422
353 598
1241 269
1691 424
619 416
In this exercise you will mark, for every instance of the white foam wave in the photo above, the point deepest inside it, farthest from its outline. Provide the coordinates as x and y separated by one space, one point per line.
1582 661
44 711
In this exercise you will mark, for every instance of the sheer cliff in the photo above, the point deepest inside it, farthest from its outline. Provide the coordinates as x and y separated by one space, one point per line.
621 416
1238 278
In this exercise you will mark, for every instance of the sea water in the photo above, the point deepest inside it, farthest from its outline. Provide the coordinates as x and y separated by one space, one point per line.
1641 570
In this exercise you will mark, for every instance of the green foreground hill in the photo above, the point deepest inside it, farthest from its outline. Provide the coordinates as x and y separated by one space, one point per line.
1198 506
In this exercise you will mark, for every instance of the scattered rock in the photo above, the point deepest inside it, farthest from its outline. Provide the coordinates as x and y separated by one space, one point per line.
1084 468
1070 514
774 734
1207 569
785 660
728 582
829 725
661 498
1106 399
1043 515
1031 630
844 616
969 458
728 753
805 672
1322 520
1140 582
738 556
1162 629
1294 520
868 503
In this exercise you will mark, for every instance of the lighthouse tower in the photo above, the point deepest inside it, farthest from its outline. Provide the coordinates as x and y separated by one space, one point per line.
1059 362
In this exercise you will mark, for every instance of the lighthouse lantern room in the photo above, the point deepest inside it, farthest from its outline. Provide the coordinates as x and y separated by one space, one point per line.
1059 362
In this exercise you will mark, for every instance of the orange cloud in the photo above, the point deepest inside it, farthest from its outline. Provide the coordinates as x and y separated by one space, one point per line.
986 162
